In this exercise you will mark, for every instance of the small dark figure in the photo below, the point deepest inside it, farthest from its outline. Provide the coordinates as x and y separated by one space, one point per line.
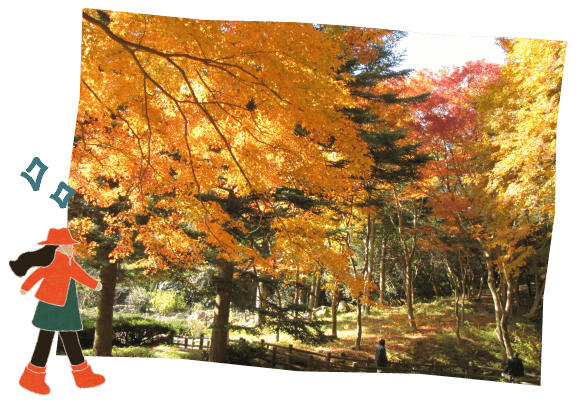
381 355
515 367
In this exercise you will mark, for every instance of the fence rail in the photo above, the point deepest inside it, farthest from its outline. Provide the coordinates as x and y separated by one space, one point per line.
291 358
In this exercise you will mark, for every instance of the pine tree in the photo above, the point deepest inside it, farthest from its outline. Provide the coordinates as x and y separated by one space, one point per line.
393 162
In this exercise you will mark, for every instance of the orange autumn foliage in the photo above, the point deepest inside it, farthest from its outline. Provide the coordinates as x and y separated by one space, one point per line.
173 108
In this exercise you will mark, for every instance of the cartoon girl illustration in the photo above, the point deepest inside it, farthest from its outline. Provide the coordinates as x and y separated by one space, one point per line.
57 310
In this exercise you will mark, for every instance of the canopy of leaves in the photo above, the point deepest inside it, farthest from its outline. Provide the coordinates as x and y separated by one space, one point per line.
192 126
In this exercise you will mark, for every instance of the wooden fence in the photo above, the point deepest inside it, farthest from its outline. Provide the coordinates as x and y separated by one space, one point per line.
291 358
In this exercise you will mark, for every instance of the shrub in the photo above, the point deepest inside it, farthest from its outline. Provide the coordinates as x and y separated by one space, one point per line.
244 354
165 302
138 299
187 291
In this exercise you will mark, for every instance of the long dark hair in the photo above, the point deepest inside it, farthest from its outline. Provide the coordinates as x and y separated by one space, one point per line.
41 257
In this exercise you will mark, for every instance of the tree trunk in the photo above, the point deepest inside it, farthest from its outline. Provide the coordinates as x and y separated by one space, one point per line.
470 287
312 298
458 323
365 269
304 295
335 301
539 296
480 287
537 283
297 285
371 262
383 272
433 279
220 327
451 274
358 324
462 287
103 345
261 303
505 317
409 294
279 306
517 299
530 294
501 315
503 290
463 305
317 291
414 277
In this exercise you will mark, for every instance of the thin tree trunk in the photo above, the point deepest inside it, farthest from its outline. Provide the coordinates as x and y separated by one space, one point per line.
517 299
469 285
501 313
482 277
317 291
414 275
451 274
408 253
530 294
463 305
261 293
261 303
303 295
220 327
335 301
312 299
539 297
537 283
365 269
480 287
297 286
435 283
409 294
371 261
358 324
358 299
279 306
103 345
383 272
505 317
462 286
458 323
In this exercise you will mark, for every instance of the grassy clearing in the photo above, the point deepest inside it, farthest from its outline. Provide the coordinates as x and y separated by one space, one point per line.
435 341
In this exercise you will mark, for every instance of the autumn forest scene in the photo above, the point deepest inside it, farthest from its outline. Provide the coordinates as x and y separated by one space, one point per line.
284 195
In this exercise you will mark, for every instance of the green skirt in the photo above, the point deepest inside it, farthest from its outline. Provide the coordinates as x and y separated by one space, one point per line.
55 318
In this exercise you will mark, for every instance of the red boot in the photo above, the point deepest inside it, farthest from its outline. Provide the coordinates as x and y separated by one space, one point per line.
33 379
84 376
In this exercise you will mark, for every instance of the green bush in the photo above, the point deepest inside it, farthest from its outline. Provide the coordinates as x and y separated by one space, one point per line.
244 354
165 302
138 299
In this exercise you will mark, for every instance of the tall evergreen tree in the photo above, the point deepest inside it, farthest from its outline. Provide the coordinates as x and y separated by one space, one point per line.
393 163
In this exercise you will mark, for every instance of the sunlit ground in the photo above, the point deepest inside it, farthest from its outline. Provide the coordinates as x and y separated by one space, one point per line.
434 342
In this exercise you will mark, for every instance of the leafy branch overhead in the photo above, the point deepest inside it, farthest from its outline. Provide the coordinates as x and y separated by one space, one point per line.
175 84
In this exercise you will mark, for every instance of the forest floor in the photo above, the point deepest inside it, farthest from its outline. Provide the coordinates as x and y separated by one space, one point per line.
434 342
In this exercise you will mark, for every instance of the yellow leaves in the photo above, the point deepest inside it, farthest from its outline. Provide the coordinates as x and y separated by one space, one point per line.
172 108
522 111
79 228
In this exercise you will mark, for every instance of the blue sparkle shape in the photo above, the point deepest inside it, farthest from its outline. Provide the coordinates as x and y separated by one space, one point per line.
36 182
69 190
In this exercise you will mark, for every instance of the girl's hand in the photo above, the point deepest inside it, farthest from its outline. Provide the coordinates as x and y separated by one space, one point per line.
99 287
23 292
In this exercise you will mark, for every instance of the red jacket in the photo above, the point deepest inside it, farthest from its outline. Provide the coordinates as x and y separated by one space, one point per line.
57 275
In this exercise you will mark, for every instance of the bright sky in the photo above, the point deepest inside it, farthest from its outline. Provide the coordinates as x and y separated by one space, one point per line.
430 51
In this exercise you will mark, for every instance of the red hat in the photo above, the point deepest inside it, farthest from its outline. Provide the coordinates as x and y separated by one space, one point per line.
59 237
